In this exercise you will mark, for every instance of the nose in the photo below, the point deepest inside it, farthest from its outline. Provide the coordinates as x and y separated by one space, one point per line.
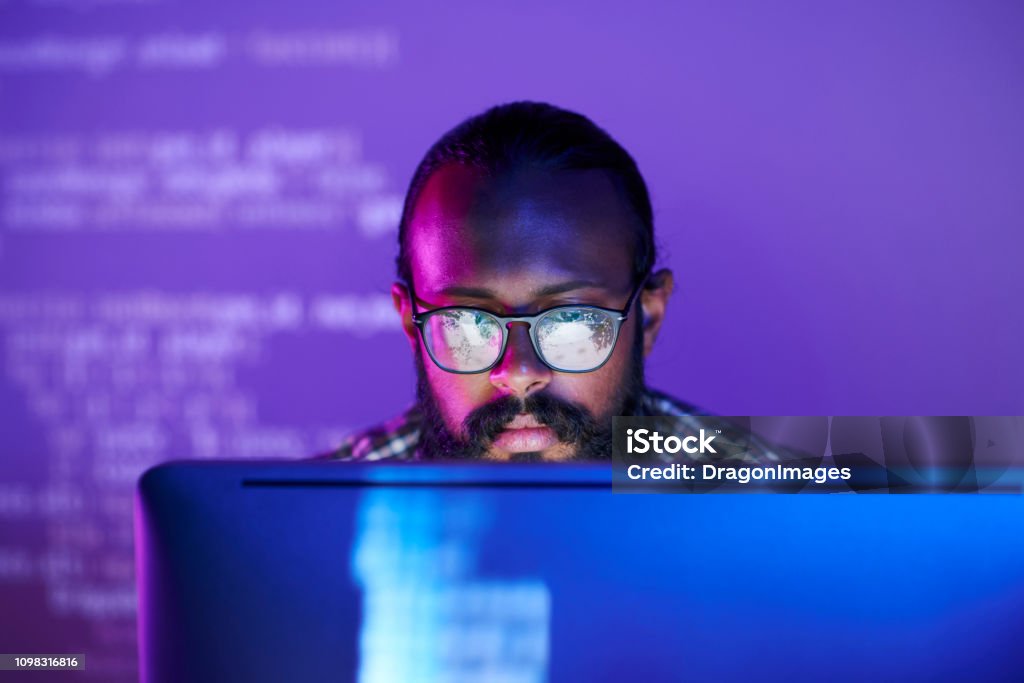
520 372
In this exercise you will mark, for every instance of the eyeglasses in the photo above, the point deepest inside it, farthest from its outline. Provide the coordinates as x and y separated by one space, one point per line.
573 338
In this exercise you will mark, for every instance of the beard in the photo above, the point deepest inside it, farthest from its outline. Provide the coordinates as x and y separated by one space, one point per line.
573 423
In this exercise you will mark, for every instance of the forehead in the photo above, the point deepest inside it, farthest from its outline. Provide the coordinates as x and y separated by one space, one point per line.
469 229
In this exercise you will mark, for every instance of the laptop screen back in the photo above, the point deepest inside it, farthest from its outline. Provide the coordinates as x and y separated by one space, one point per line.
269 572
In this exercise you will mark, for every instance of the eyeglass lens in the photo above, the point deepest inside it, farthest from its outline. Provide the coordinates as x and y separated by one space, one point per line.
570 339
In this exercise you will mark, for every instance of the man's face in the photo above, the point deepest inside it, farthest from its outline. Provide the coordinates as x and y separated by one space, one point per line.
517 244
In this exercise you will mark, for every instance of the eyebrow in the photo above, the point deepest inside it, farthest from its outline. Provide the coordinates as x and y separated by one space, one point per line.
549 290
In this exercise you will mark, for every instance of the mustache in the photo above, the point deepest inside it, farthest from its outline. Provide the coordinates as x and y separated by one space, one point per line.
573 424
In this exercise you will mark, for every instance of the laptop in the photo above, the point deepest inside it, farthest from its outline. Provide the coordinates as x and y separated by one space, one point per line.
319 571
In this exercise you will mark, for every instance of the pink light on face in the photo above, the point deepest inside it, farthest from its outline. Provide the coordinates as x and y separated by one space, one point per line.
518 245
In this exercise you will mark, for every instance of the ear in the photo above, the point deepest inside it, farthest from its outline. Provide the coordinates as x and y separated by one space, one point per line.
402 302
654 303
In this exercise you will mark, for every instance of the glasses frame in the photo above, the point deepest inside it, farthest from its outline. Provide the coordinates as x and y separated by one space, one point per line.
420 318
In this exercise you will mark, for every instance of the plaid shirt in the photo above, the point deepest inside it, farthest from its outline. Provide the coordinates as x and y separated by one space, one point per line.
398 439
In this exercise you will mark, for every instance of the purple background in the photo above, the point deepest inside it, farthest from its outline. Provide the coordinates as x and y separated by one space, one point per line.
836 185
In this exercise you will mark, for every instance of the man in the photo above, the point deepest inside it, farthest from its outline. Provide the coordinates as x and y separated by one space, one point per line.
528 293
